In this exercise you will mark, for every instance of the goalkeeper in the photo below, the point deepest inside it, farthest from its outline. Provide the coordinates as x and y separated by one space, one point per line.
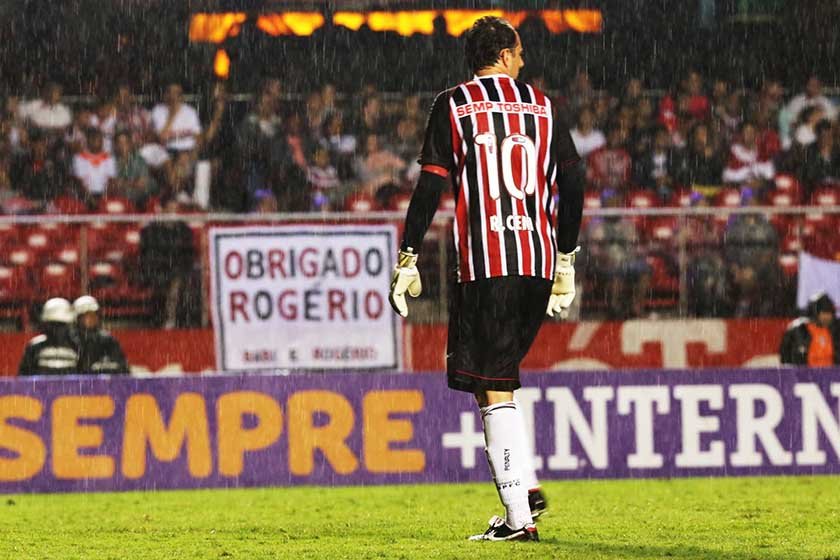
495 141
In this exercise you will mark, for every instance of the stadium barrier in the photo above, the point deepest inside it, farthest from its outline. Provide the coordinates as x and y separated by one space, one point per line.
98 434
587 345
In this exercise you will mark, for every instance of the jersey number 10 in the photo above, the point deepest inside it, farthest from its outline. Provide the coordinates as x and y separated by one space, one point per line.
487 141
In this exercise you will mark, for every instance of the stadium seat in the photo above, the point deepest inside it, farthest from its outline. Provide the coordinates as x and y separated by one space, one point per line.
789 184
15 293
20 256
662 230
58 280
115 205
360 203
681 198
826 195
68 205
400 202
9 236
447 202
642 199
789 264
66 254
591 199
664 282
782 222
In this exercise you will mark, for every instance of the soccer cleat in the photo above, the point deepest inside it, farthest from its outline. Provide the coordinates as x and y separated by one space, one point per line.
536 500
499 531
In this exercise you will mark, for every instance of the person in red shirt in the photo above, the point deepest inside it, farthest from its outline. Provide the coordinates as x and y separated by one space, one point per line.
813 340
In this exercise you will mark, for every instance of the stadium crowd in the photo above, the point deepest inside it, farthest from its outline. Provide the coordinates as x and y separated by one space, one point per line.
705 142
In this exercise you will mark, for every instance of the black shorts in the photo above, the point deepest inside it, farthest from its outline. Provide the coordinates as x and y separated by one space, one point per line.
492 324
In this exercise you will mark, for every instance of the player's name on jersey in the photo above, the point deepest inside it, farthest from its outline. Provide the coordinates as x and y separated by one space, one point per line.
512 222
500 107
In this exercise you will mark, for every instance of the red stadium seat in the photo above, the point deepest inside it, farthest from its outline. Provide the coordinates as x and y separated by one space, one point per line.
20 256
789 264
399 202
68 205
642 199
728 198
9 236
360 203
789 184
663 230
66 254
58 280
782 222
115 205
447 202
15 293
591 199
681 198
827 195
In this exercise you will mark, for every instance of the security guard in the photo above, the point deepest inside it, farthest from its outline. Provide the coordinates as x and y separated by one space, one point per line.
55 351
100 353
813 340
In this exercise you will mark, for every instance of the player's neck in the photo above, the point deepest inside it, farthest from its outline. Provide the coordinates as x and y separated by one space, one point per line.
492 71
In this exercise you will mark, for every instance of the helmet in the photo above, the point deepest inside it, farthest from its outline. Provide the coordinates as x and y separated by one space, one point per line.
57 310
85 304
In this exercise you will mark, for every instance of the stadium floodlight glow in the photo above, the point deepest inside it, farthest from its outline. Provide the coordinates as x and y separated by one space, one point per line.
216 28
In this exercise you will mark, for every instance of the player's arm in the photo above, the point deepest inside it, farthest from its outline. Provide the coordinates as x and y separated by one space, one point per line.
436 164
571 178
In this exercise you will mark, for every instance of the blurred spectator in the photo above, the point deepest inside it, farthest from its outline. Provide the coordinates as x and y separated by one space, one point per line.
610 166
821 162
180 177
729 117
94 167
698 104
805 133
767 139
700 165
176 123
329 97
706 285
132 180
633 92
128 115
655 169
581 93
48 112
167 257
99 352
586 137
813 340
340 144
751 245
323 179
747 165
315 114
6 190
76 138
265 202
260 140
38 175
616 261
370 120
297 139
602 109
13 125
378 167
811 97
56 350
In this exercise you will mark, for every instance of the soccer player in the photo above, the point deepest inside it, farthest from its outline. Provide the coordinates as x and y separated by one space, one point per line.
497 141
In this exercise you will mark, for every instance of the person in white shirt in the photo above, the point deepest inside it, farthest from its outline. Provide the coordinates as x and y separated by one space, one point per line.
747 165
811 98
47 113
176 123
94 167
586 137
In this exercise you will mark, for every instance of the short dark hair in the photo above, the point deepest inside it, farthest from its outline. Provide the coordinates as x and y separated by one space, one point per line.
486 39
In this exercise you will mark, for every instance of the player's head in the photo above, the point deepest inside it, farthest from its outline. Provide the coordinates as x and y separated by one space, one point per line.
86 309
493 44
821 309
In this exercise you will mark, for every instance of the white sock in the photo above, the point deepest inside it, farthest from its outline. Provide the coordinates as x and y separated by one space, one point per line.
529 475
503 436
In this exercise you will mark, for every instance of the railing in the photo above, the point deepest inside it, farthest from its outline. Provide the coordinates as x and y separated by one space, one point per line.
42 235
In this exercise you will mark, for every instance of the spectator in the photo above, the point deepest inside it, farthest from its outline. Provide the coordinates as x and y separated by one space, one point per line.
180 177
805 133
698 104
700 165
610 166
94 168
655 169
378 167
729 116
297 139
260 142
167 257
76 138
13 125
707 286
586 137
329 97
132 180
821 162
767 139
340 145
813 340
633 92
99 352
48 113
55 351
811 97
176 123
370 119
315 114
746 165
38 175
751 246
615 260
128 115
581 93
323 179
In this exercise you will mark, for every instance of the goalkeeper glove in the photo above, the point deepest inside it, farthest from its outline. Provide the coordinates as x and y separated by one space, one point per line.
406 278
563 290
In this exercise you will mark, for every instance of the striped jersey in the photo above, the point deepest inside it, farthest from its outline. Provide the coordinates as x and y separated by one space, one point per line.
499 141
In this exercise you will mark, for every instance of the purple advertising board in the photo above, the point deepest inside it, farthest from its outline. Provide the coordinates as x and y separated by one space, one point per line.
96 434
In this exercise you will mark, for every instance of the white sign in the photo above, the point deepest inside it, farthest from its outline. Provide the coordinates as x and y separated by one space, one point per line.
304 297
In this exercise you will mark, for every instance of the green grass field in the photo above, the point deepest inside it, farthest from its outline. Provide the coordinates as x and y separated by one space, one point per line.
740 519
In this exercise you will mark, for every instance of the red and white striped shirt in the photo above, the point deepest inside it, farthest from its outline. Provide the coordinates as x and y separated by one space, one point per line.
499 141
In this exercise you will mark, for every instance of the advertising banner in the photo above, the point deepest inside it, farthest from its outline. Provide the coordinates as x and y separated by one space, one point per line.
88 433
304 298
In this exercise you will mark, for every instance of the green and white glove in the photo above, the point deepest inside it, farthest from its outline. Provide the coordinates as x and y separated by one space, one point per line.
563 290
406 278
